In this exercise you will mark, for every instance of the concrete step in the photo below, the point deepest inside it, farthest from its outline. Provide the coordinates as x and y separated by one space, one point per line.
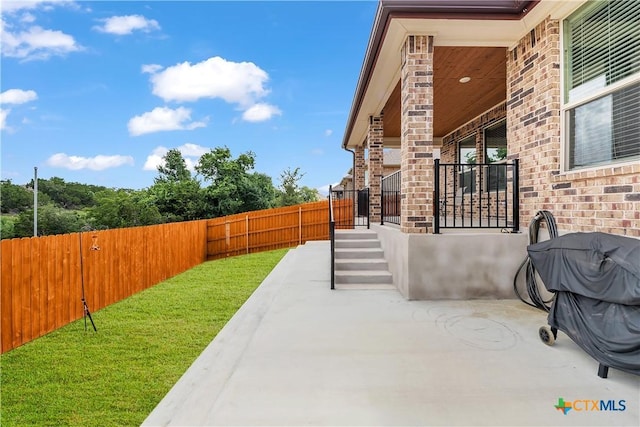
374 264
364 277
365 287
355 234
359 253
357 243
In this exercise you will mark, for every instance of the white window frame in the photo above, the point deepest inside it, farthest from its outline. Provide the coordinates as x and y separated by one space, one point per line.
567 106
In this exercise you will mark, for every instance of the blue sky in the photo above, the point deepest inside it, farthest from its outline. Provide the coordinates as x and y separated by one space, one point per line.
96 92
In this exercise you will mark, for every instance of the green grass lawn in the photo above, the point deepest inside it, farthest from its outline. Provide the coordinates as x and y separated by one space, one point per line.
143 345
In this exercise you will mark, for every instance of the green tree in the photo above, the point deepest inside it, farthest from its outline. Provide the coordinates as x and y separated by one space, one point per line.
23 225
176 193
51 220
308 194
291 193
174 168
67 195
7 227
124 208
179 200
14 198
257 192
232 188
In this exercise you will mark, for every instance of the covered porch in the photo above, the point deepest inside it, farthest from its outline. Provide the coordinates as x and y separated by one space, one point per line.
444 82
462 90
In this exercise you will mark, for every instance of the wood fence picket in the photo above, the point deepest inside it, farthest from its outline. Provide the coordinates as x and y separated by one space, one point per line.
42 277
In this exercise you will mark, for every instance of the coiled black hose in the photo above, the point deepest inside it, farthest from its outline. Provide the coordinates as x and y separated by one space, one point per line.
533 297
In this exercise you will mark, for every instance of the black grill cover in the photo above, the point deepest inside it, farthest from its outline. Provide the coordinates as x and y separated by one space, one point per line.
596 281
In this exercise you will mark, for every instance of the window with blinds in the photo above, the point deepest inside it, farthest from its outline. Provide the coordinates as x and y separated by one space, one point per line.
602 83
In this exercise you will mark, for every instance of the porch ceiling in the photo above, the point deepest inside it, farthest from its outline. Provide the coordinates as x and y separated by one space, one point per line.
467 43
455 102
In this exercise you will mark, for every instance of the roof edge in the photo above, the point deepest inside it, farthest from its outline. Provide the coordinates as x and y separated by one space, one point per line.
426 9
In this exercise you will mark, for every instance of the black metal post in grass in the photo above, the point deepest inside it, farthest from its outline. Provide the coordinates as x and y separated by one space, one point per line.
332 238
85 306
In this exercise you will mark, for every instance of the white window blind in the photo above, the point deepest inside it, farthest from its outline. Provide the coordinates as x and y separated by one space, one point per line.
602 42
605 45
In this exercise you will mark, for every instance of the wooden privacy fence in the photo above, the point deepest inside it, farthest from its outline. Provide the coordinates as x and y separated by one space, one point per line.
267 229
42 277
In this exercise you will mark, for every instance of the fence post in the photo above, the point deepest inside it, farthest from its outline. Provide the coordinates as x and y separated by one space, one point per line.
381 200
516 196
246 230
436 197
368 208
299 225
227 237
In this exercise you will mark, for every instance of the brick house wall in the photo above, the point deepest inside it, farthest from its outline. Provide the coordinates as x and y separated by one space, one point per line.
388 170
605 199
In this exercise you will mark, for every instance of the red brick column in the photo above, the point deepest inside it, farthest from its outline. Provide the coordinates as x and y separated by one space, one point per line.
358 174
375 165
417 135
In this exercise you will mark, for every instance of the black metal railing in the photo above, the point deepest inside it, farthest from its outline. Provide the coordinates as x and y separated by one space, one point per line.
351 208
332 238
484 195
390 200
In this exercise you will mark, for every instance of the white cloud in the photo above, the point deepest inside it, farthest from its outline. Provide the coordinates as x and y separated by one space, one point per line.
27 18
123 25
328 132
324 190
9 6
97 163
14 96
151 68
317 152
260 112
155 159
190 152
163 119
235 82
35 43
193 150
3 118
17 96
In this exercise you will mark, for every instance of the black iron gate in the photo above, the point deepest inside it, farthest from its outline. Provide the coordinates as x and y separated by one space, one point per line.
351 208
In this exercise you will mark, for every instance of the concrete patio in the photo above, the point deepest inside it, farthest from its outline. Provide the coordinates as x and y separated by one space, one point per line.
298 353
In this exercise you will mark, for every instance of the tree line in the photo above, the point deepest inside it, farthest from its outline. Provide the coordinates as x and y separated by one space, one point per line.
221 185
